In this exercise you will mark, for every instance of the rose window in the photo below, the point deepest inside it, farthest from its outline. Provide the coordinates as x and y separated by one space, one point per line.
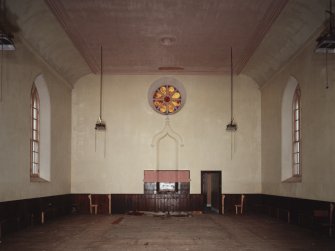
167 99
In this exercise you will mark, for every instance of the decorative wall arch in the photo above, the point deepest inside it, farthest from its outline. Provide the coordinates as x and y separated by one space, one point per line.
167 130
173 148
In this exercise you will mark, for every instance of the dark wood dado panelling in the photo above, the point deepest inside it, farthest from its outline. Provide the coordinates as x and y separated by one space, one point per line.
81 203
313 214
18 214
122 203
262 203
233 199
297 207
162 202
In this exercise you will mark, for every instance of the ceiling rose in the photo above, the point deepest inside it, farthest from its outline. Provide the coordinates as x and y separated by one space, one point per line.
167 40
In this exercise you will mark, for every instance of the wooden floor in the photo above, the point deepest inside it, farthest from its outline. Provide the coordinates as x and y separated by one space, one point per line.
199 232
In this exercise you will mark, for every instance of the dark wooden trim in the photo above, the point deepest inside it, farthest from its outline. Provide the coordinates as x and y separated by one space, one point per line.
306 213
155 202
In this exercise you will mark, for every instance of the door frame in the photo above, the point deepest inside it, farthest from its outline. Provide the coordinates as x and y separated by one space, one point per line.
220 186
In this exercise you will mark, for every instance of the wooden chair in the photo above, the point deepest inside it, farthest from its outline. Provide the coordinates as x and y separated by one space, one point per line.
92 206
240 206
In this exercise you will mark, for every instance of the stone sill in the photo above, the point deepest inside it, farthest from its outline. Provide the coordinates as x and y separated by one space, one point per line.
293 179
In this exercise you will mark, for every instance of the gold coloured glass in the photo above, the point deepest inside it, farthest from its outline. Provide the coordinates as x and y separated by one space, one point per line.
167 99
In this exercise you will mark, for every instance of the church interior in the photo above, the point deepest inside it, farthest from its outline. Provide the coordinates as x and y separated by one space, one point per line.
131 124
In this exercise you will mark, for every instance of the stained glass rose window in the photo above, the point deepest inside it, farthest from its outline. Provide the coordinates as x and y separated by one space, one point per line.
166 96
167 99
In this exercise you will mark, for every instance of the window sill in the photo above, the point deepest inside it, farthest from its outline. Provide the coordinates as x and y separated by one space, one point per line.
293 179
37 179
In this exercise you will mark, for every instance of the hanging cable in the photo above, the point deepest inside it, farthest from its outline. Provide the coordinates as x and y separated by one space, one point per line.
231 85
327 82
100 124
1 72
231 126
331 14
101 70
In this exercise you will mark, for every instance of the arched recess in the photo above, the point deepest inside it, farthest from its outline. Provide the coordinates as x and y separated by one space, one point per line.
167 143
286 129
45 127
167 153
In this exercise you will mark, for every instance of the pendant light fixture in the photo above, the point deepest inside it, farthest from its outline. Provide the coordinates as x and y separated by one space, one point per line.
327 77
100 125
326 41
6 42
1 72
232 126
6 29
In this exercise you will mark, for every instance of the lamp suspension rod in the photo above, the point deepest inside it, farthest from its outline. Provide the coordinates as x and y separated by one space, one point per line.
1 72
331 16
331 23
327 80
101 70
231 84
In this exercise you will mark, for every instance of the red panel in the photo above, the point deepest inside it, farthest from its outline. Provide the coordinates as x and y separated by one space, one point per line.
166 176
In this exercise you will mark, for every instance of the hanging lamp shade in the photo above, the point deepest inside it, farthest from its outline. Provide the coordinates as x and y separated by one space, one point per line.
100 125
232 126
6 43
6 36
326 41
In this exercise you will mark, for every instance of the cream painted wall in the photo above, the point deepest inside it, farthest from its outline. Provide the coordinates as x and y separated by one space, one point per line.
318 123
132 125
20 68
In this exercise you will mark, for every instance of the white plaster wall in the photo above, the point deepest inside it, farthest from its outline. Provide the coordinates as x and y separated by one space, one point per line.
317 128
20 68
132 125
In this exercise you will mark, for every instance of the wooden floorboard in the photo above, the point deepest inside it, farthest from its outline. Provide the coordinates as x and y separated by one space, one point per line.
199 232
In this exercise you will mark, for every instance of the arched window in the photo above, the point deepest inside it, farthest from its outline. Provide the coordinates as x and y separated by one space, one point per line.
35 133
296 133
291 132
40 146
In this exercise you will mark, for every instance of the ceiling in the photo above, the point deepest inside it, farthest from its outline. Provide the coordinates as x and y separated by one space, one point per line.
166 36
141 36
